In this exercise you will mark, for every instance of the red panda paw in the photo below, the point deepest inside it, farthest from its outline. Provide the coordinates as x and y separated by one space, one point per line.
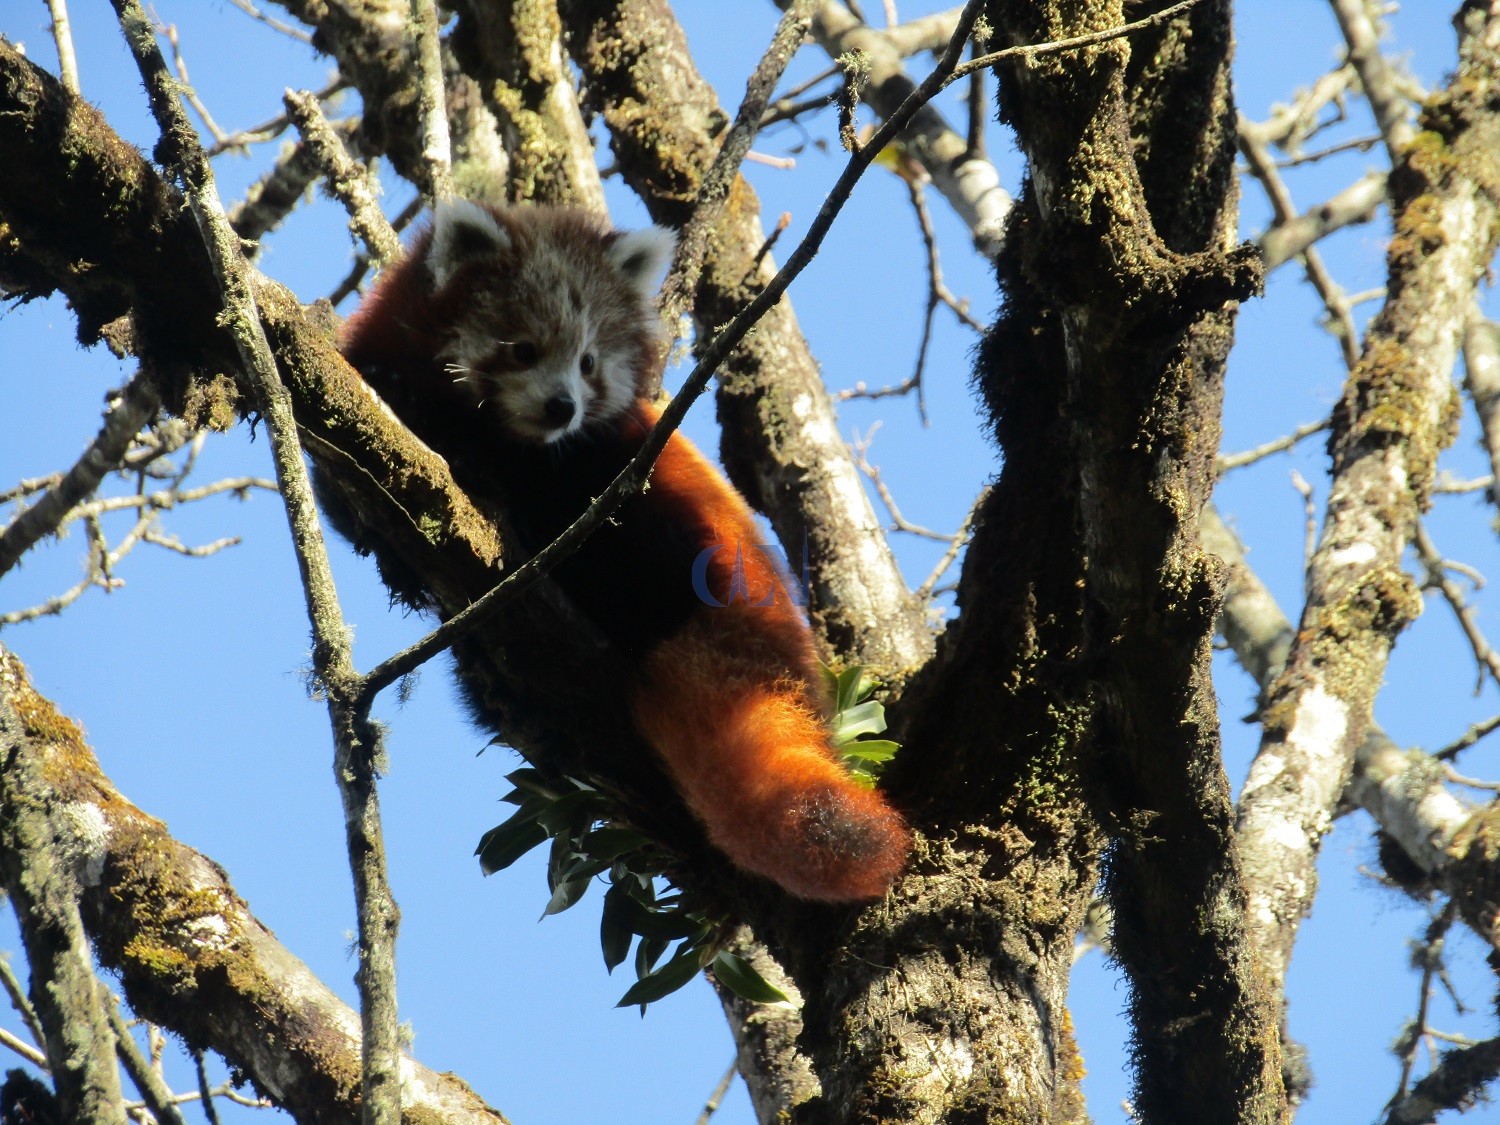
841 843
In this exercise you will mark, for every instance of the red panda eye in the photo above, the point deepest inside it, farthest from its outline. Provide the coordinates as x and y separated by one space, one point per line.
524 353
586 364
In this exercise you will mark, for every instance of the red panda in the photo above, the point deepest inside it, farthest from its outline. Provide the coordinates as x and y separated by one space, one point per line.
523 338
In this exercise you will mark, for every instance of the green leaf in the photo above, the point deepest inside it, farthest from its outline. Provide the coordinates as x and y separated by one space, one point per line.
663 925
740 977
615 933
869 750
566 894
529 780
830 682
559 856
582 866
503 845
648 953
611 842
682 968
862 777
573 812
849 682
865 718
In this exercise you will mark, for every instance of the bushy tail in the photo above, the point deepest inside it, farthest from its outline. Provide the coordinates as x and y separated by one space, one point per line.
751 757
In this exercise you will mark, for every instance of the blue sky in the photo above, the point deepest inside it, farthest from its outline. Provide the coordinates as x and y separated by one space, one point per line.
189 678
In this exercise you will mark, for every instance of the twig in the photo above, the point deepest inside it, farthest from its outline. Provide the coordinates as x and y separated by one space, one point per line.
1229 461
1263 168
938 293
19 1002
1077 42
432 102
204 1090
169 30
1437 577
713 190
273 127
715 1099
1469 737
1428 954
272 22
1470 782
861 448
136 404
157 1095
362 263
348 181
929 586
356 741
1309 517
1358 144
62 35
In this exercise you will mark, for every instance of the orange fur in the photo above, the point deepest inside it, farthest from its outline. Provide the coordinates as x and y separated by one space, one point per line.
734 704
499 316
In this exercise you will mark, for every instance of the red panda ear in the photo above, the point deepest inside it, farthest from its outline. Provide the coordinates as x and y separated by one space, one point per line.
641 255
462 232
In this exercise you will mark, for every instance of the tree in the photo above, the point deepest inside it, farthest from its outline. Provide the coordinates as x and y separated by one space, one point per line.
1061 755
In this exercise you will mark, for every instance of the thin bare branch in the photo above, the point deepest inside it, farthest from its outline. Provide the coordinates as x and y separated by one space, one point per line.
356 741
1341 319
62 36
432 100
1231 461
157 1095
713 190
1381 84
302 35
133 409
348 181
1437 577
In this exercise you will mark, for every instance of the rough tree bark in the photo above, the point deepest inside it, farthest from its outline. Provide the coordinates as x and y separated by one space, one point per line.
1068 711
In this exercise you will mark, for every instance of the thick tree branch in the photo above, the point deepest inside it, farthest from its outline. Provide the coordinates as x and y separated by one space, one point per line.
134 408
43 881
964 178
190 955
1130 147
1404 791
514 53
1398 411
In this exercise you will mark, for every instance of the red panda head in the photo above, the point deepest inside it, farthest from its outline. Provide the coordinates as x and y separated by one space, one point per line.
550 317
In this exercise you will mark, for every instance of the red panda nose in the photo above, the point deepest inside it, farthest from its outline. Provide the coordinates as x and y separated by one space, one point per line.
558 410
